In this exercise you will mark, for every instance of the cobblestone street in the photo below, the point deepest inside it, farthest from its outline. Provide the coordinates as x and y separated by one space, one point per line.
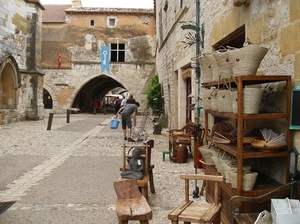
66 174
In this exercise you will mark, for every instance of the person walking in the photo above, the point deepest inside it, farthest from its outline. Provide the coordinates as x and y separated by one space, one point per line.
96 106
128 112
123 102
117 104
131 99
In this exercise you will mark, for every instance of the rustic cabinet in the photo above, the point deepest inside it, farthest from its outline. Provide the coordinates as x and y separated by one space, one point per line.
241 152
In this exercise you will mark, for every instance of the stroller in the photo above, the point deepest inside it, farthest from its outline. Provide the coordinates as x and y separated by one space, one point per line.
139 133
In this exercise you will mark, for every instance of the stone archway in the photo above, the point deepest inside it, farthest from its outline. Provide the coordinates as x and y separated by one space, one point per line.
93 89
9 83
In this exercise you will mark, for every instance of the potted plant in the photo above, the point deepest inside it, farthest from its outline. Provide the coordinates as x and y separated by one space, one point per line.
155 101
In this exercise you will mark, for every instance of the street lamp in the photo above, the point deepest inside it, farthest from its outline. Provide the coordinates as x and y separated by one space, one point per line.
293 171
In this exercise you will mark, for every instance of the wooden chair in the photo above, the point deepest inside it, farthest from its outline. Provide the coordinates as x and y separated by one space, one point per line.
179 136
237 202
131 204
193 212
148 167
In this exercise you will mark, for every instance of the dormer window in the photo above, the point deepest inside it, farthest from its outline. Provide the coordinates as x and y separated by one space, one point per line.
111 21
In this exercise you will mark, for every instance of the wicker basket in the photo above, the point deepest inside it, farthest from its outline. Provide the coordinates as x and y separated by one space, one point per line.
224 98
249 179
222 59
246 60
216 71
251 102
207 151
214 99
206 67
209 67
206 98
234 99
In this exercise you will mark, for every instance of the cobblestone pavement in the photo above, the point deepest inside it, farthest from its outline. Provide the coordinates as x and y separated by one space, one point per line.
65 175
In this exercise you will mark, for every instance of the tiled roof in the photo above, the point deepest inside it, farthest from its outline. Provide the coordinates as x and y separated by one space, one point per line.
55 13
109 10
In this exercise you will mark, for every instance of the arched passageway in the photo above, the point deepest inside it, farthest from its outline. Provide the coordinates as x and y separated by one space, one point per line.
96 89
47 100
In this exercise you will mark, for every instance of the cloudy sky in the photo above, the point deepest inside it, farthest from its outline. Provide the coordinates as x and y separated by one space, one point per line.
105 3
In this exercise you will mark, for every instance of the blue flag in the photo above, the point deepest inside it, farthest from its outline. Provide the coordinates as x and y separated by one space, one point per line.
105 50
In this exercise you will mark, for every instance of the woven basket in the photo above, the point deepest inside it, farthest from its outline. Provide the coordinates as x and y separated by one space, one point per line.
206 99
249 179
206 67
214 99
224 98
230 167
234 99
246 60
222 59
207 151
216 71
251 100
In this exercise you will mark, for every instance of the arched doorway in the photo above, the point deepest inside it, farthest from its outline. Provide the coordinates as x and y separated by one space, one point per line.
9 83
47 99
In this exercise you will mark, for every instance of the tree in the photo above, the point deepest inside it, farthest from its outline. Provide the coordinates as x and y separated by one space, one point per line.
154 96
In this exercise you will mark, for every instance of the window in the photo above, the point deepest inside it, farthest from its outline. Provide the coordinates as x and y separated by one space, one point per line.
92 22
111 21
117 52
235 39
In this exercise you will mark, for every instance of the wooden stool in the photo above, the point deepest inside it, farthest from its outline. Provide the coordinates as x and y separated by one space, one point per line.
166 153
190 211
131 204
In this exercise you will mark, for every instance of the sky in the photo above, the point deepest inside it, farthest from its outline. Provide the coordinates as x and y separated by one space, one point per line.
105 3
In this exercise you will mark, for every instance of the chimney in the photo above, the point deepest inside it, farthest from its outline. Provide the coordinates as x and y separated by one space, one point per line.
76 3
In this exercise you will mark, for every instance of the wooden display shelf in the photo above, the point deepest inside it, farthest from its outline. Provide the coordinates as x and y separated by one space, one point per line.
263 185
249 116
248 151
250 80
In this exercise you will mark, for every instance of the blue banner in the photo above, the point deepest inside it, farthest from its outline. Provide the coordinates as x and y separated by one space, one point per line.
105 50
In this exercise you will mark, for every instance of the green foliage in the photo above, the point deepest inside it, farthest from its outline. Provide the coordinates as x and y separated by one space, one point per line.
154 96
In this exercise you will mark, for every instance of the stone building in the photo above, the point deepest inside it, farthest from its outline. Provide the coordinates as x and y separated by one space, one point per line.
77 68
21 77
271 24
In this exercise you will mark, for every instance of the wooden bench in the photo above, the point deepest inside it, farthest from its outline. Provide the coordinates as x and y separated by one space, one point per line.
236 202
131 204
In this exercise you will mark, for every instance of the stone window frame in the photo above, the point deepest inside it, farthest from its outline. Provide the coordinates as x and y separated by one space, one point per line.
119 52
111 18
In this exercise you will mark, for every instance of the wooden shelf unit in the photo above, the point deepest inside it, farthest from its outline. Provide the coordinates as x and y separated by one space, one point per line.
240 151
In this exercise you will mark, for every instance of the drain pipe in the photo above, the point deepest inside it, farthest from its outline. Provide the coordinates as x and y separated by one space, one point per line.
197 92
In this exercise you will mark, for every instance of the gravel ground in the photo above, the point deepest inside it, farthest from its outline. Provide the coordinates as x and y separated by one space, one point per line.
65 175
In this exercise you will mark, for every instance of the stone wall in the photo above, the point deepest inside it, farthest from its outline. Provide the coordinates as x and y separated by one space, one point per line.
272 24
79 45
20 52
